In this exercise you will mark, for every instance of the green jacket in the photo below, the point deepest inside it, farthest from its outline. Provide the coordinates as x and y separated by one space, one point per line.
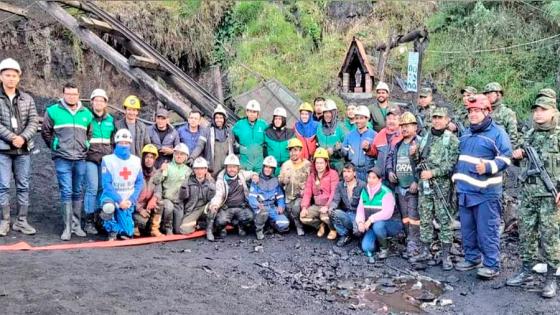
67 133
171 180
330 142
276 144
102 137
250 139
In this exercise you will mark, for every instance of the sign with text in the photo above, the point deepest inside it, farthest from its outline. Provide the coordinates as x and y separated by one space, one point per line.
412 77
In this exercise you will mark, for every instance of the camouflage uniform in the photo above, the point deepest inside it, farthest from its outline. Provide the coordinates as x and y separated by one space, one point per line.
461 113
440 154
506 118
538 213
424 114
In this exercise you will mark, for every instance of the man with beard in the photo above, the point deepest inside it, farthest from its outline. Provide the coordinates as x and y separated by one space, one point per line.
485 152
318 108
220 141
379 110
146 207
276 138
249 136
131 122
384 140
293 175
330 134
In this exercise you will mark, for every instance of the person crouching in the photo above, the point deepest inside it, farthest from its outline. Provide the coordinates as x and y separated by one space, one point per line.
146 207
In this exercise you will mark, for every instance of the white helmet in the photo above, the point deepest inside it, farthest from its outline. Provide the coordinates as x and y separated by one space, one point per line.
181 147
270 161
10 63
123 135
253 105
232 159
329 105
220 110
99 92
200 163
382 86
280 111
362 111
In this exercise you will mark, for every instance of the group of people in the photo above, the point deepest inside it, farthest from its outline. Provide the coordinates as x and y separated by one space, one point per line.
380 172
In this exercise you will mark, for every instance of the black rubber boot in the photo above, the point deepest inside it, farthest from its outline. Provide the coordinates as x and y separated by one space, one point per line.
424 254
210 229
524 275
383 249
550 286
446 263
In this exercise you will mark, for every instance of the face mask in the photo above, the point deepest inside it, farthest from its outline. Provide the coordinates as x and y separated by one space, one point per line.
122 151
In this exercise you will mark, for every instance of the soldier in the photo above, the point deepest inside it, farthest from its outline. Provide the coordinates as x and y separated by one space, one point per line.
438 154
293 175
485 152
539 216
425 108
401 170
461 120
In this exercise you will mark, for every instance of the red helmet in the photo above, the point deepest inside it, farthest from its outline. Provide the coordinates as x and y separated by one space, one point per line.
479 101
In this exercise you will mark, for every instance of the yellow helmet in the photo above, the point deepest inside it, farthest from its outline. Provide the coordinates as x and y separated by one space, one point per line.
408 118
132 101
150 148
321 153
306 107
294 143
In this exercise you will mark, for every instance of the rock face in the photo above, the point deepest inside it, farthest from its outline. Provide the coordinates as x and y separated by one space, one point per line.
345 11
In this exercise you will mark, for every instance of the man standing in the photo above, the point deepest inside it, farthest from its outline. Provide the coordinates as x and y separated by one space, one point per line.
101 145
293 175
122 183
538 213
220 142
318 108
249 135
344 204
67 131
194 135
18 126
425 108
438 153
485 152
384 140
357 142
401 172
131 122
163 136
379 109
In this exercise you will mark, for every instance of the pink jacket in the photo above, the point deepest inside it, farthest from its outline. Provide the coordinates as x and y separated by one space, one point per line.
323 193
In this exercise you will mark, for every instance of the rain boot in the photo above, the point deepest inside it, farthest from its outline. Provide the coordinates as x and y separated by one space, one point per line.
5 222
446 263
383 249
299 228
77 219
21 224
524 275
90 224
210 229
423 255
66 209
156 221
550 286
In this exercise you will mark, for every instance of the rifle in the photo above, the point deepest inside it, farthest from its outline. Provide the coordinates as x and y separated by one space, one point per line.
439 193
536 168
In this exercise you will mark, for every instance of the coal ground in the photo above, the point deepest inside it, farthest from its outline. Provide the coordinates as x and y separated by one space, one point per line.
284 274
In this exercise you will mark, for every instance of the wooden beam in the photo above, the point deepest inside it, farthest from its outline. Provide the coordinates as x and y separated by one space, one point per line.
13 9
98 25
143 62
74 4
116 59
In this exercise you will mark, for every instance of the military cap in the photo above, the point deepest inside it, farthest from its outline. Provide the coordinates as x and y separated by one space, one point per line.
544 102
440 112
469 89
547 92
425 92
493 87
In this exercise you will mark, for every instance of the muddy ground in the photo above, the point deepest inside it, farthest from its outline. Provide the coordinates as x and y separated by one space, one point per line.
280 275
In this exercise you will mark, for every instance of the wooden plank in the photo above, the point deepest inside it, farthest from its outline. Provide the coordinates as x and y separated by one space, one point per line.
74 4
116 59
143 62
98 25
13 9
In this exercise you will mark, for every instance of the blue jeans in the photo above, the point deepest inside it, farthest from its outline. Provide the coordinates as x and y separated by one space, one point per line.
93 187
344 222
70 175
122 222
280 222
19 167
380 230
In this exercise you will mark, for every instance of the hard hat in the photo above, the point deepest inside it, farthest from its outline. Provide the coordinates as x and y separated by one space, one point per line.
123 135
362 111
220 110
10 63
382 86
232 159
132 101
306 107
270 161
329 105
321 153
200 162
280 111
253 105
408 118
479 101
181 147
150 148
100 93
295 143
493 87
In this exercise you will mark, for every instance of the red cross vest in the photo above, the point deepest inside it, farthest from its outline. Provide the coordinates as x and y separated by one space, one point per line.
123 173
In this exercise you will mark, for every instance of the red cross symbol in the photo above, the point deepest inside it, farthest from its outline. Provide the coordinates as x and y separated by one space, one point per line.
125 173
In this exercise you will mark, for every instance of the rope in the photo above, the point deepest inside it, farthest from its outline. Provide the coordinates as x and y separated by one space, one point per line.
493 49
